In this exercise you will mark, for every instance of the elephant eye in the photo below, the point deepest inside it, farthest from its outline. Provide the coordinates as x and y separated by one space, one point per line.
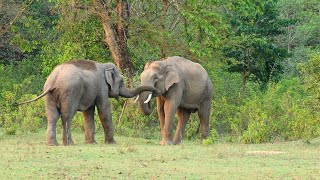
155 78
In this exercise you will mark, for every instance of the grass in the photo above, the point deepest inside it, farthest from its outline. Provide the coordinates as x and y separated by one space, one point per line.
27 157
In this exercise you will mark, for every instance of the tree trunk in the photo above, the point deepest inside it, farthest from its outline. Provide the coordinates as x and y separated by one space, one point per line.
163 28
116 38
245 76
122 34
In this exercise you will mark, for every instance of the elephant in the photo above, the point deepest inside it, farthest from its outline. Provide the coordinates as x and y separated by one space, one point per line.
82 85
183 87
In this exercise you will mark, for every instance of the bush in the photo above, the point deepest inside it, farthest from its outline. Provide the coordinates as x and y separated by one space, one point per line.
212 138
30 117
130 121
7 114
251 123
282 112
25 118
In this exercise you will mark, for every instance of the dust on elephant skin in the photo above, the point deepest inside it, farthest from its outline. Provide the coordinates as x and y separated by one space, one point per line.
85 65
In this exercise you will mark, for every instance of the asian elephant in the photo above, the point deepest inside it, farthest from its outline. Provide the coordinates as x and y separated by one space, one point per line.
183 87
81 85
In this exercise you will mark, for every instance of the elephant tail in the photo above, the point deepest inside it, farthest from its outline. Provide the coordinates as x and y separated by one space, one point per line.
32 100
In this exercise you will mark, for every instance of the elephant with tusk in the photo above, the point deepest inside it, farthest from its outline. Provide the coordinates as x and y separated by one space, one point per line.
82 85
182 87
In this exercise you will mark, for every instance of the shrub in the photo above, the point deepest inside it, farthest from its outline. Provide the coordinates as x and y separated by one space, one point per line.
7 114
30 117
212 138
282 111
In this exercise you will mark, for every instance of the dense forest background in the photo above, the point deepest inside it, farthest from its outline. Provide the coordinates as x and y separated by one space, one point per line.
263 58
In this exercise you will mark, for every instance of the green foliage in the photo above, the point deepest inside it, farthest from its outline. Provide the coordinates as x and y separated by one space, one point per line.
251 48
17 82
282 112
8 114
78 36
302 32
214 137
252 123
30 117
129 121
275 41
204 27
25 118
311 74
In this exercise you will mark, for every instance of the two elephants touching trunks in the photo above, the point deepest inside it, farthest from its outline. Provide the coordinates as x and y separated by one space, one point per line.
181 86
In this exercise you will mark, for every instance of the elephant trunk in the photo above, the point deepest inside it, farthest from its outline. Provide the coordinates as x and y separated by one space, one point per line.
144 105
125 92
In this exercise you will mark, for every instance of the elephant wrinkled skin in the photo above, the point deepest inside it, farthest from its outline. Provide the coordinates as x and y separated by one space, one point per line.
182 87
82 85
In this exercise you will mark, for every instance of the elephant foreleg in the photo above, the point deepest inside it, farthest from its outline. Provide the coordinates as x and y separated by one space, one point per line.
169 109
89 126
183 117
160 110
105 116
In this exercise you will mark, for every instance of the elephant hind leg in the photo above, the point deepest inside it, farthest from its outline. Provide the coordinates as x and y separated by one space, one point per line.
66 128
183 117
204 115
53 115
68 110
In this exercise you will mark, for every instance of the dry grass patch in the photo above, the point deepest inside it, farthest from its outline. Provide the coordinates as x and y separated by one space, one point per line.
265 152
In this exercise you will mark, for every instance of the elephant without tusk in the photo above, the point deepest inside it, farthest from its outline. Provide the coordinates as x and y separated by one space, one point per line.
82 85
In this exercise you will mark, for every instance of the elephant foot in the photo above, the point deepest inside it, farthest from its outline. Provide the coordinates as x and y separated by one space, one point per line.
176 142
90 142
165 142
204 136
68 143
52 143
110 141
177 139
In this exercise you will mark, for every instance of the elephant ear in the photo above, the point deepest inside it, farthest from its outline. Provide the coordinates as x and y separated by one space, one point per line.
109 76
172 77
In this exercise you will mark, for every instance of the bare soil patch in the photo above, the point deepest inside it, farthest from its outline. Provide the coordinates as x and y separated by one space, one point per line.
265 152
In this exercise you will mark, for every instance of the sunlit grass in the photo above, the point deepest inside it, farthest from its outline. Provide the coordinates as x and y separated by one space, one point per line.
27 156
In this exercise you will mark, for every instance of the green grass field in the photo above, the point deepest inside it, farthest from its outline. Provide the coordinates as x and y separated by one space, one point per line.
27 157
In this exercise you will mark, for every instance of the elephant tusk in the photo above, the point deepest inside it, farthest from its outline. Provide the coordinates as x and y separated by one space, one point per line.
148 99
135 100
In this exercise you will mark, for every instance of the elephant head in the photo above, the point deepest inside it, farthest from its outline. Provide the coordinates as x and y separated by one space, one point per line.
161 76
117 86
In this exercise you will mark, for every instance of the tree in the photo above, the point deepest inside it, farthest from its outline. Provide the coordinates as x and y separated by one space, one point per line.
252 49
10 12
302 32
116 32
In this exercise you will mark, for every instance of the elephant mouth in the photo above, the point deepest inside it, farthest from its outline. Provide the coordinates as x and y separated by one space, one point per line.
148 105
145 103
